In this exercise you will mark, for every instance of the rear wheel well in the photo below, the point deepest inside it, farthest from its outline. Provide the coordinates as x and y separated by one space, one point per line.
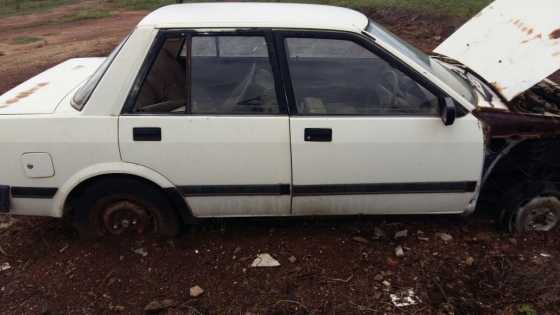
175 199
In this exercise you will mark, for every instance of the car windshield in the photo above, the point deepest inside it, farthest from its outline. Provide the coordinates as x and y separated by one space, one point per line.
83 94
429 64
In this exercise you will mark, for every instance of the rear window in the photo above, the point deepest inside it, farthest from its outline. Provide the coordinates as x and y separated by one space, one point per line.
83 94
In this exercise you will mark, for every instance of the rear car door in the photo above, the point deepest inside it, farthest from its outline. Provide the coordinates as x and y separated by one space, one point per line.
205 113
366 135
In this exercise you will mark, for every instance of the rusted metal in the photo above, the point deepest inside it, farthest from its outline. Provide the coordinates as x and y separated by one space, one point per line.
23 94
513 43
126 216
508 124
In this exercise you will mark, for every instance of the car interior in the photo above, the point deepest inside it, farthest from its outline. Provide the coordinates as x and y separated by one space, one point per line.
240 81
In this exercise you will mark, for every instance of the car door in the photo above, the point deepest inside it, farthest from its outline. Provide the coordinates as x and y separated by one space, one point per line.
366 135
205 114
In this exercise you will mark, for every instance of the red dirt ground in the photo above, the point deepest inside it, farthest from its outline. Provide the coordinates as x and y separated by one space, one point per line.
340 264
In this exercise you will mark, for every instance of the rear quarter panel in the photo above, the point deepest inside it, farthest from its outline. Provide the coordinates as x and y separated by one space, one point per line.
74 142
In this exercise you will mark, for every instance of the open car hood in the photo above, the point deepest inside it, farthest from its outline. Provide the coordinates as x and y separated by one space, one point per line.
513 44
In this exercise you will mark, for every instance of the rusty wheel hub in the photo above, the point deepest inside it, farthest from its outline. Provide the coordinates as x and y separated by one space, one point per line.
124 217
540 214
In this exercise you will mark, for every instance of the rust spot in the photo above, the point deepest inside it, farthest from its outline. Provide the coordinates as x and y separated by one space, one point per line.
538 36
555 34
498 87
78 67
506 124
517 22
530 31
24 94
556 54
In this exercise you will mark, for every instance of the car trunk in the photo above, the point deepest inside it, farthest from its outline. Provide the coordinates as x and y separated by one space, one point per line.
42 93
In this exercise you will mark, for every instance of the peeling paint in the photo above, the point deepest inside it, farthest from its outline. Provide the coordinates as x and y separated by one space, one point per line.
513 44
24 94
555 34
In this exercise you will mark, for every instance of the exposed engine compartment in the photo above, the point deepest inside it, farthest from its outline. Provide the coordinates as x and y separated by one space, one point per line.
543 98
534 114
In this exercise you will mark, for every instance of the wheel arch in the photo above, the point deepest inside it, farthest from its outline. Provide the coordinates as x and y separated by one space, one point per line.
82 179
514 162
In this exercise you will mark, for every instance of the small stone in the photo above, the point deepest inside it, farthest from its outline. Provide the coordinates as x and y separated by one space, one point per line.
236 250
399 252
401 234
378 277
424 239
513 241
469 261
292 259
141 251
117 308
196 291
360 239
63 249
265 260
386 283
5 266
378 233
391 262
444 237
156 306
6 222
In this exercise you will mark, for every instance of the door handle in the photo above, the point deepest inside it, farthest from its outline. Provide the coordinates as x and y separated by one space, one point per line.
318 134
146 134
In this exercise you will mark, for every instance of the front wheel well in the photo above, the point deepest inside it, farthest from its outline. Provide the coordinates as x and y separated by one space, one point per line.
528 161
172 194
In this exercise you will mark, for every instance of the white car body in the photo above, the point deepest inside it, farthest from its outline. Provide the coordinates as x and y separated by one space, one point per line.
237 165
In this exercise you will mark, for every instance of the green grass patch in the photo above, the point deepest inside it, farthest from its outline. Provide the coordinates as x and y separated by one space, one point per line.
85 14
22 40
19 7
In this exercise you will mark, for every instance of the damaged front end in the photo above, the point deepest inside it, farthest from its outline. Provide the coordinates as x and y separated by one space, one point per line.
533 115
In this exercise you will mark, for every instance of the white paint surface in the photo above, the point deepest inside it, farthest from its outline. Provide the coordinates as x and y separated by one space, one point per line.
513 44
280 15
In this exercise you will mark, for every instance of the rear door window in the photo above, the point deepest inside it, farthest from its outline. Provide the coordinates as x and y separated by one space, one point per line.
210 75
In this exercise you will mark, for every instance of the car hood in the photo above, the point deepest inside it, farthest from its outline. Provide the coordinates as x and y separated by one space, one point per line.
42 93
512 44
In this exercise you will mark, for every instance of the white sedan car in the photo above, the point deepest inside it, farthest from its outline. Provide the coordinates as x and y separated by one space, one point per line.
245 109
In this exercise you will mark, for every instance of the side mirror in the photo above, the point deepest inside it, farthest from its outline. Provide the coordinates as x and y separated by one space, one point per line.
447 111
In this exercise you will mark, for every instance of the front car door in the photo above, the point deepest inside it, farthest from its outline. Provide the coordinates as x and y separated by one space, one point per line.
365 132
205 114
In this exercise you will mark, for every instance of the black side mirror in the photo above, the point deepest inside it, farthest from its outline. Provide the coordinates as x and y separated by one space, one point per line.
447 111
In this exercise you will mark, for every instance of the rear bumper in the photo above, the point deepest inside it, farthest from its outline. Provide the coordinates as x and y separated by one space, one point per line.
4 199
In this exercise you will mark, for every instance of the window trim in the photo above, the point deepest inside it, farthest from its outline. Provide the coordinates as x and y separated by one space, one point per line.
367 43
187 35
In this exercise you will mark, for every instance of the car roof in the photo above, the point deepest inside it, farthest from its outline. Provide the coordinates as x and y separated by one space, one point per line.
265 15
